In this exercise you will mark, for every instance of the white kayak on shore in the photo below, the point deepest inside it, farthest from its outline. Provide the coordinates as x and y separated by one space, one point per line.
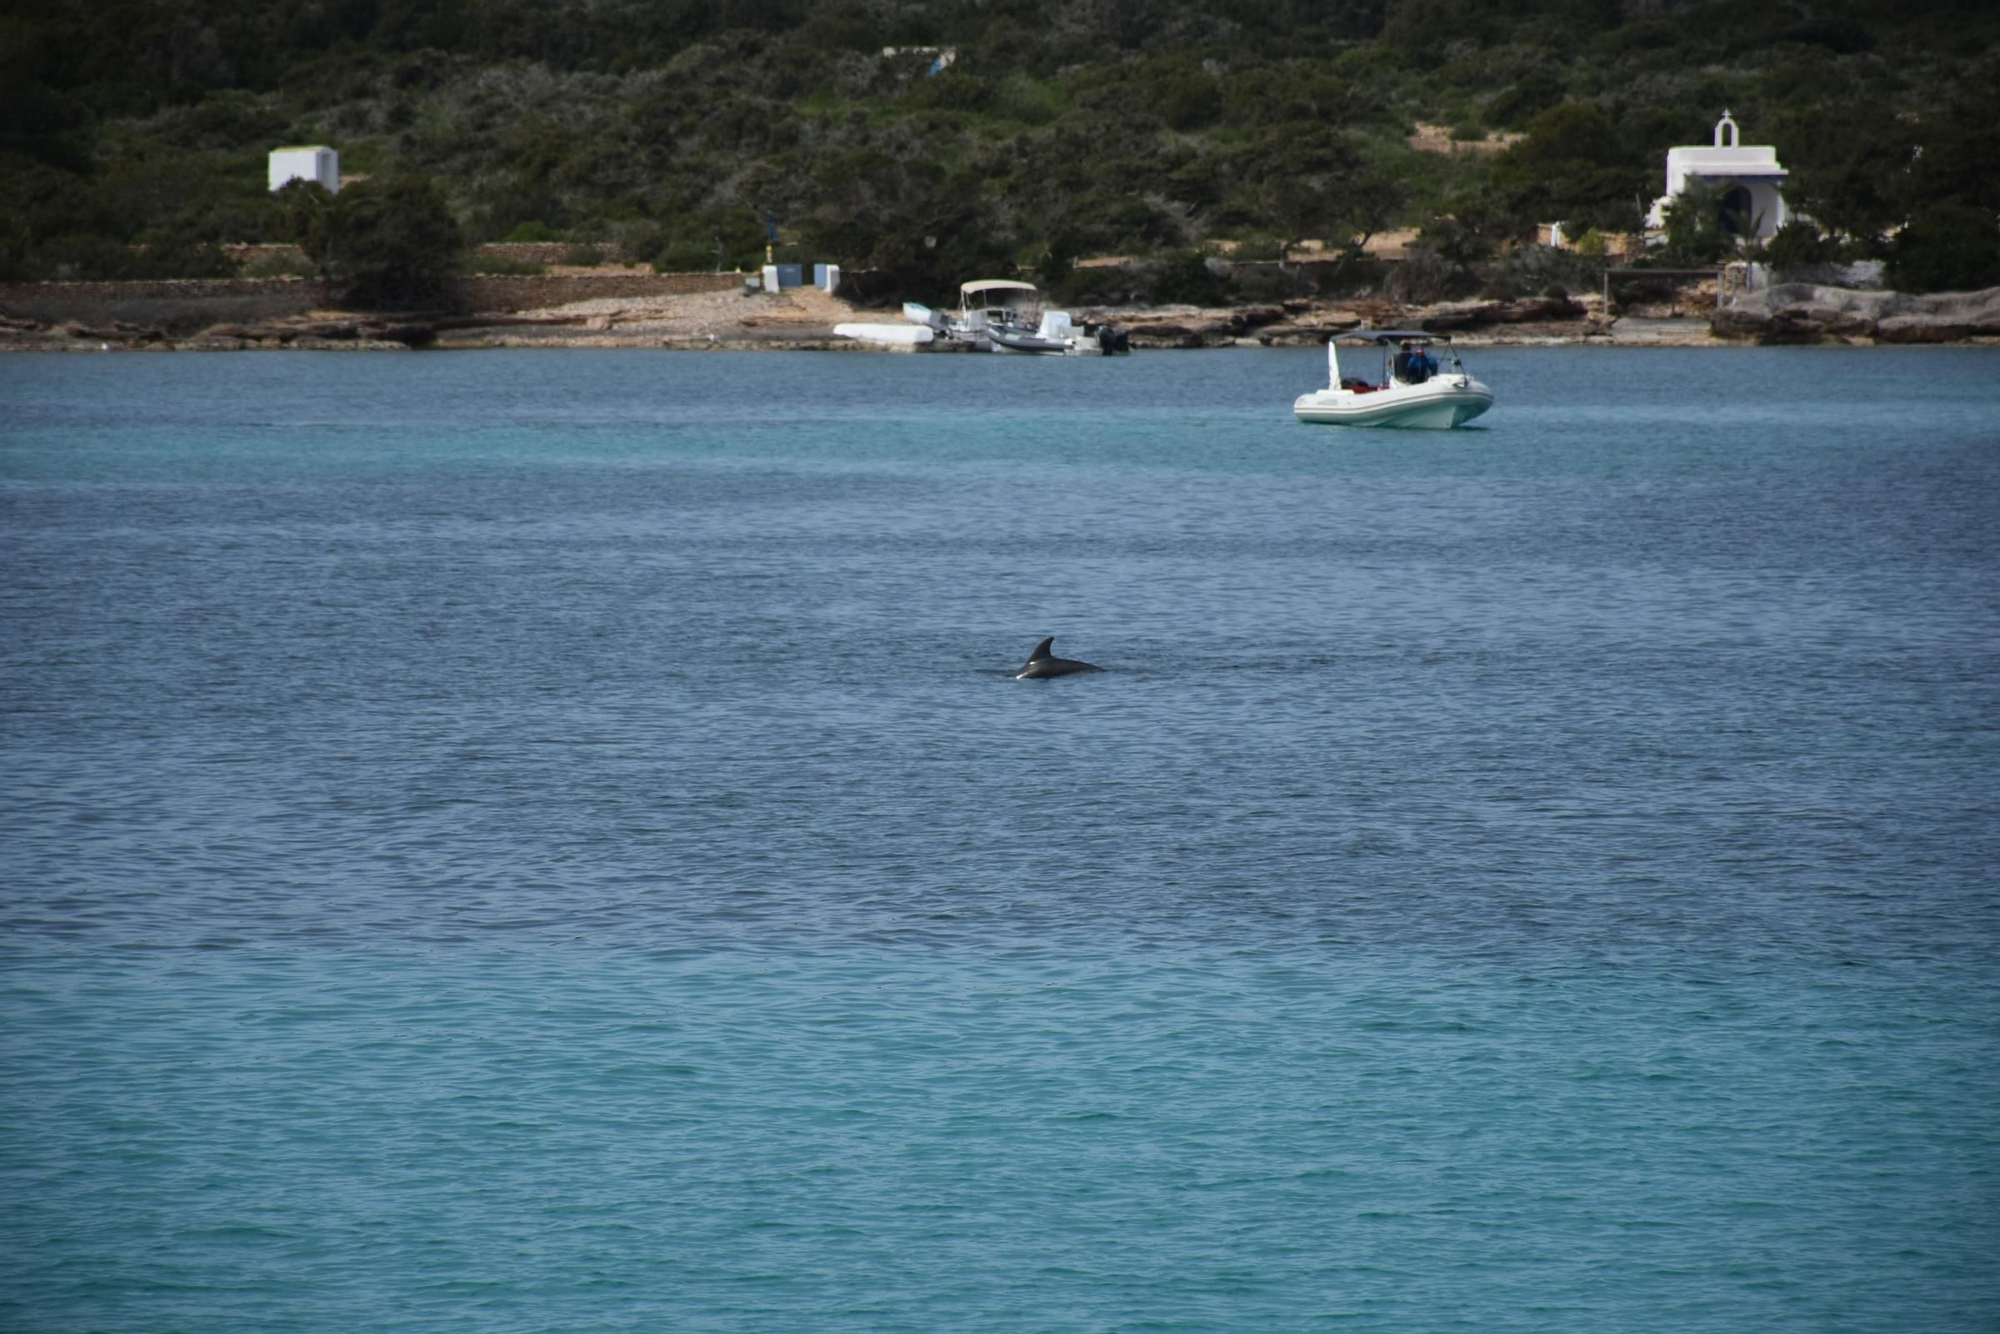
887 335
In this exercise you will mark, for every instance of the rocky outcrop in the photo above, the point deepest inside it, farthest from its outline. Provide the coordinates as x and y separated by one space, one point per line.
1187 326
1805 313
1455 315
1304 322
1948 317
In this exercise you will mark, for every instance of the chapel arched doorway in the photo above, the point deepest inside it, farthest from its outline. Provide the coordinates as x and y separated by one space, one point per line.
1733 211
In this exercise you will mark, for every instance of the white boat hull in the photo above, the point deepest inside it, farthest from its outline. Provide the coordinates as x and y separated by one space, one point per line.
1028 345
1439 403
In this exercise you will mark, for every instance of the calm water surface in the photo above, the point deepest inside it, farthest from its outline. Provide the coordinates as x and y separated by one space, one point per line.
548 841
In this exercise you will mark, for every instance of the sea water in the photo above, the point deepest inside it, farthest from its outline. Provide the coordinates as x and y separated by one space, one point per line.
549 841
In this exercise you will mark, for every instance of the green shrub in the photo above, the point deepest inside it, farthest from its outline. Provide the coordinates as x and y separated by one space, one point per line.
1097 285
1185 278
1265 284
642 240
279 264
89 256
167 255
500 266
1543 270
99 258
1799 245
1425 276
1031 103
685 257
1257 249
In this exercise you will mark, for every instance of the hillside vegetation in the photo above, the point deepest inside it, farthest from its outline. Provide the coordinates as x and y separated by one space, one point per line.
929 140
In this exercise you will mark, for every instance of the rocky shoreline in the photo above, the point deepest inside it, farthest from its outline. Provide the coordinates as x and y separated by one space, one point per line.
1794 313
803 320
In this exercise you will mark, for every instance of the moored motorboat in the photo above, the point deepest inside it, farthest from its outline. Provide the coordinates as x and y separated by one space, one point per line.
1006 315
1414 391
1057 336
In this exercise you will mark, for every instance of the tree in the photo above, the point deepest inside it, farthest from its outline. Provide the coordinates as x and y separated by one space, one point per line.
1185 278
1345 211
1851 177
386 243
1574 167
1946 248
1326 187
1695 231
923 227
403 243
1468 232
309 220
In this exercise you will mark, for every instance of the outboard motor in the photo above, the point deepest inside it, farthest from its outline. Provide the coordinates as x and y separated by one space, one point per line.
1111 339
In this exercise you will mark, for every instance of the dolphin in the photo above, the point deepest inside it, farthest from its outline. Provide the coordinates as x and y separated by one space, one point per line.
1044 663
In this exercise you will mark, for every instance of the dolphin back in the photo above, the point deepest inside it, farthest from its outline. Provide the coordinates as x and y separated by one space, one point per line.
1043 663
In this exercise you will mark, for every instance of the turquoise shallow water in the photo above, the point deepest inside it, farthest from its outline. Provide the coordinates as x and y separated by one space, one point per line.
545 841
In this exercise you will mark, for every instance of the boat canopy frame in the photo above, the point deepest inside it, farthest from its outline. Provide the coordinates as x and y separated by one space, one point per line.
988 299
1389 340
1394 336
977 286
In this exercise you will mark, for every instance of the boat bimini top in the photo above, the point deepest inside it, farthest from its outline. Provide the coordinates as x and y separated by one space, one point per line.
992 294
1394 336
995 299
977 286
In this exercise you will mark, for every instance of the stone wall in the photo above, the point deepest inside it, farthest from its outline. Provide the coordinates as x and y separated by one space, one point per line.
249 253
180 306
176 306
531 252
550 252
507 292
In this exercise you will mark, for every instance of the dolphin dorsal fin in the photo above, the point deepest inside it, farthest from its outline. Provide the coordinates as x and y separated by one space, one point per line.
1043 650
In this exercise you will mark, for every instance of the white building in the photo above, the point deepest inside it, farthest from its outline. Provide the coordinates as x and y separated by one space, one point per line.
1745 178
310 163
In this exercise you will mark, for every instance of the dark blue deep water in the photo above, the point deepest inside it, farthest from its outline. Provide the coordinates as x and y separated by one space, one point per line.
546 841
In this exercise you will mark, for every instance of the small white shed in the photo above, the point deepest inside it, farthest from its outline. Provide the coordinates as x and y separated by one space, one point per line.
311 162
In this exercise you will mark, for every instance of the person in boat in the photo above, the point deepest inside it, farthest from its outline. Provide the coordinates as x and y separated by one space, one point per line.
1414 364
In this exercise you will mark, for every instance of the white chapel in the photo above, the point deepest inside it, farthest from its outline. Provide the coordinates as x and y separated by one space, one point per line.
1745 178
